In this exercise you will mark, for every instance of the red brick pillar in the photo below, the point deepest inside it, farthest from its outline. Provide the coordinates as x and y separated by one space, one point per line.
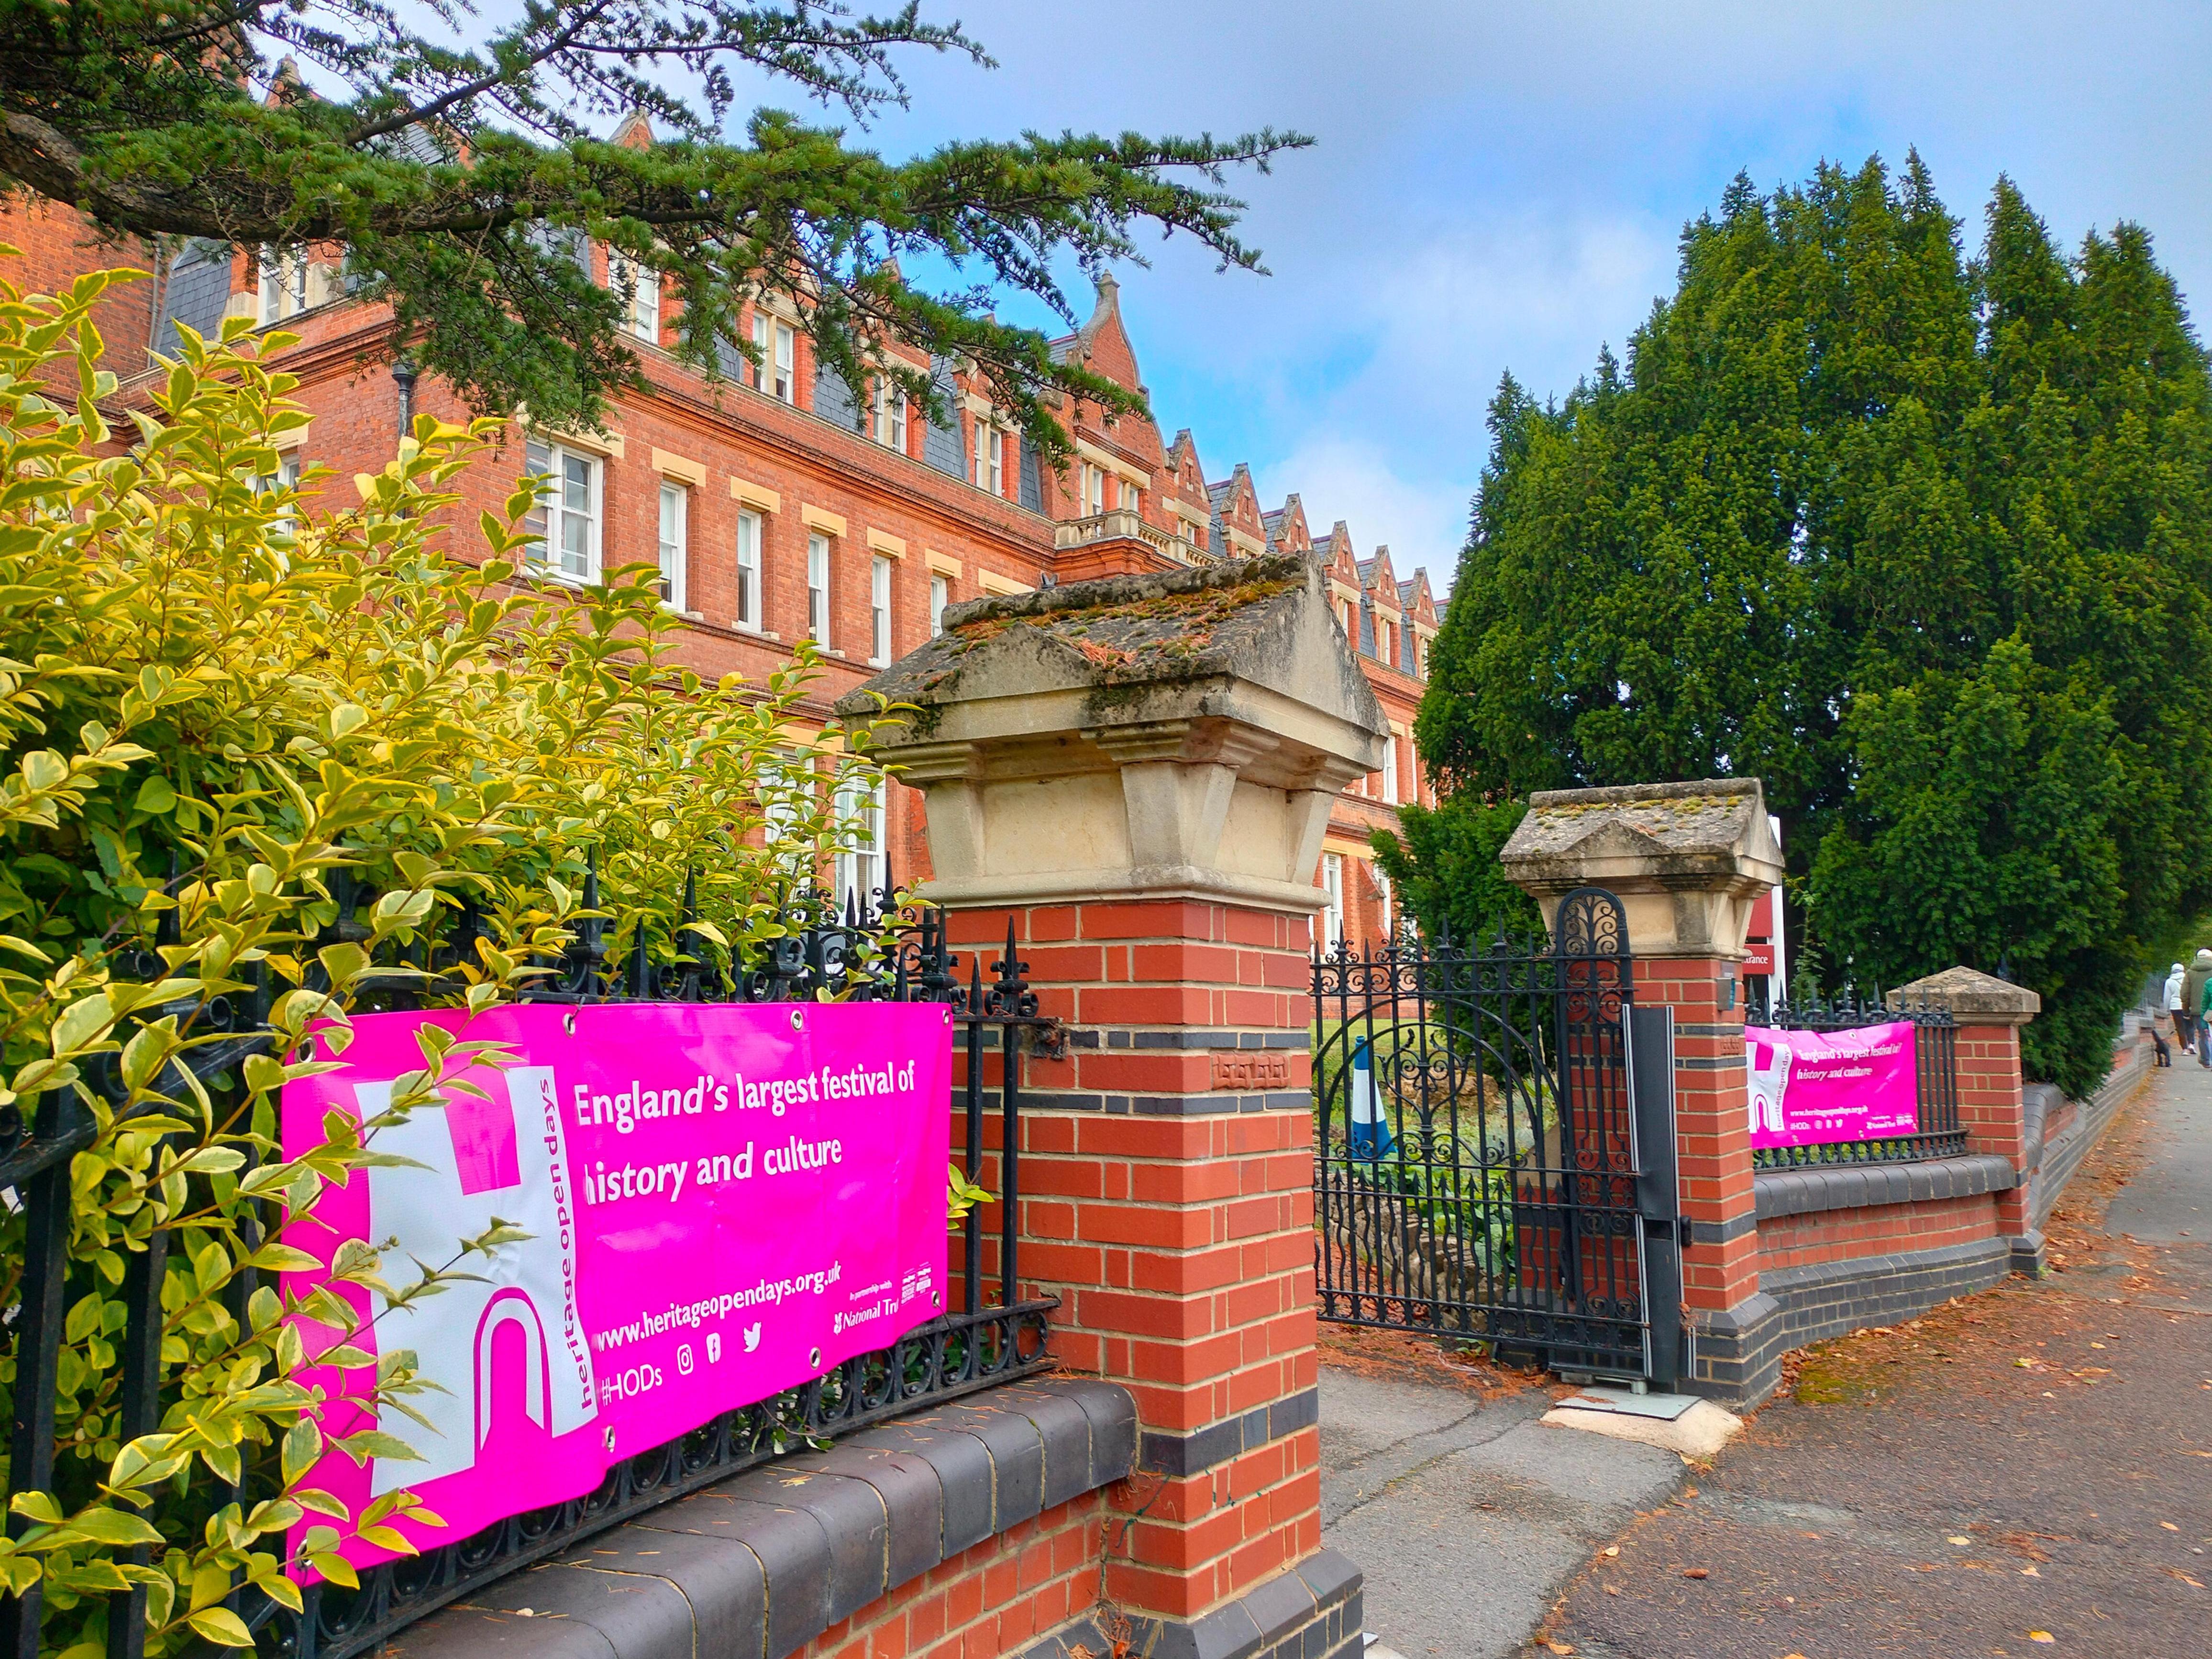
1992 1107
1137 772
1687 861
1712 1137
1167 1199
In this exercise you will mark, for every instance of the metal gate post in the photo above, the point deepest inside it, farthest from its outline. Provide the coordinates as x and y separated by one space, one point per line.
1658 1191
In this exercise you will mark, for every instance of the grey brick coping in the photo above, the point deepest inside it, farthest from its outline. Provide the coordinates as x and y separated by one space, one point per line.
1801 1192
1194 1453
757 1567
1311 1610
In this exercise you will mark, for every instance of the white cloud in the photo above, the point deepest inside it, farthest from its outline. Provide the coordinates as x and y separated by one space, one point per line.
1395 449
1344 477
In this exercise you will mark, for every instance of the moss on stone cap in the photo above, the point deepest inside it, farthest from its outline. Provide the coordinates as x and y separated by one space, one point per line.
1123 630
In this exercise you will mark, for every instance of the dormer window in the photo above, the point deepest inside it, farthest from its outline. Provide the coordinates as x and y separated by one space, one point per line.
639 289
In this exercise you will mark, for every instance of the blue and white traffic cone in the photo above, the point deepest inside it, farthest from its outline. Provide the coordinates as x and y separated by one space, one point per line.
1370 1136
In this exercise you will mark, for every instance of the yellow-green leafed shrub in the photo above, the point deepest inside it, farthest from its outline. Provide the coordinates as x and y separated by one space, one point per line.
259 690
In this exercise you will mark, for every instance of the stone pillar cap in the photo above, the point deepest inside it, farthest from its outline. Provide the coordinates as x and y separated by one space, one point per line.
1974 997
1687 859
1180 733
1235 640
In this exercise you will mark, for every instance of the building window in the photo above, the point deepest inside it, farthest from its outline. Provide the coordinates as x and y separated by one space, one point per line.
891 417
777 347
879 609
283 283
675 542
565 524
1390 770
818 590
940 595
1385 639
1332 884
639 289
749 571
286 477
1094 490
788 799
997 485
858 828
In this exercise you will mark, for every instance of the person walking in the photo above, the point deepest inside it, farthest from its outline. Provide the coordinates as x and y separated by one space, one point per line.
2175 1011
2196 986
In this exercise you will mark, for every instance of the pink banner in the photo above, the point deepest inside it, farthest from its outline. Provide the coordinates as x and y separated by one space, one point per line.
1813 1088
723 1201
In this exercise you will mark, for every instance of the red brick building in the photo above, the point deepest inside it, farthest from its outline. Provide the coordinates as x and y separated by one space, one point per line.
779 506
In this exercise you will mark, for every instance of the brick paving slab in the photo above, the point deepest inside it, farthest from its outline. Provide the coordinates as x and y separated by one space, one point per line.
2062 1430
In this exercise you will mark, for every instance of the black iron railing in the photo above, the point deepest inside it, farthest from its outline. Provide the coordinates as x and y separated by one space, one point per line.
1936 1054
871 952
1474 1150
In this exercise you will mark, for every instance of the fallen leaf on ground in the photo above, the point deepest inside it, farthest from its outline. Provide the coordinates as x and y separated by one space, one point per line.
1560 1647
2041 1635
2029 1573
1610 1549
1694 1572
2169 1526
1612 1590
1955 1538
2185 1579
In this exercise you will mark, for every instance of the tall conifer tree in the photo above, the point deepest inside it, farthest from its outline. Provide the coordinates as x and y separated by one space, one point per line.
1922 541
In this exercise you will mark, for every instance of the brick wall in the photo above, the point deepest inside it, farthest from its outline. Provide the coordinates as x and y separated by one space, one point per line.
54 247
1798 1241
989 1600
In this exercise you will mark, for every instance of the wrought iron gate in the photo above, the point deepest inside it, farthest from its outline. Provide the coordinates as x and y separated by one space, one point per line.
1494 1146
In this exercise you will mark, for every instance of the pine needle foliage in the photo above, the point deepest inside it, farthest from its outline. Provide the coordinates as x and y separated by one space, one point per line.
456 161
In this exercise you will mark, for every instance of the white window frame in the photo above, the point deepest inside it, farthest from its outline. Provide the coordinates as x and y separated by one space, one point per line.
785 387
286 477
675 543
642 306
891 417
749 531
1094 490
1390 770
817 588
940 595
1332 884
284 273
782 779
777 346
861 863
880 611
555 510
998 484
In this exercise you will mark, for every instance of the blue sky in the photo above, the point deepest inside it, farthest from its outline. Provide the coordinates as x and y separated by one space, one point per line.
1502 185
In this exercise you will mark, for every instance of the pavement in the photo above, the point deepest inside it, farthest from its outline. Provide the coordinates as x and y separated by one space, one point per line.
1466 1512
2027 1471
